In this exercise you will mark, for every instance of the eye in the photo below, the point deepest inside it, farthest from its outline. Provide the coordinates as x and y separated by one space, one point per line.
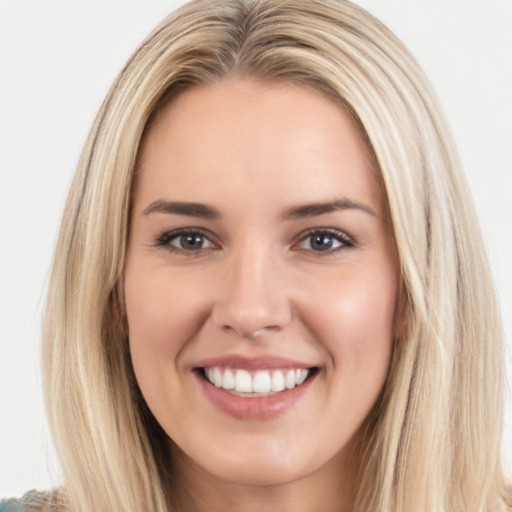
325 240
185 240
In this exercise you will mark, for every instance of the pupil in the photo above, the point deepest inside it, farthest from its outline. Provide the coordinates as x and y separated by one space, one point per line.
321 242
191 241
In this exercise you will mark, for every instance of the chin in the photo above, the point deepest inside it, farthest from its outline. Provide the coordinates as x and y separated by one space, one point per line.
260 473
262 463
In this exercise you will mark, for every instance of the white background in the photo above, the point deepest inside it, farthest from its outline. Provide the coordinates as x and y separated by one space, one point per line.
57 60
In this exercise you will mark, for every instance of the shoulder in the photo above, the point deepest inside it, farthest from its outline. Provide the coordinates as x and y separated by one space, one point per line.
8 505
30 502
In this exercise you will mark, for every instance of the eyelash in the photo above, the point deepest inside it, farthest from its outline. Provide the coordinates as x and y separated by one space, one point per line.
343 239
165 239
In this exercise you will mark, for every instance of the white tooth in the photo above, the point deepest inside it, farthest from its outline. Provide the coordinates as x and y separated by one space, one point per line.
211 377
278 381
261 382
228 381
217 377
301 376
243 381
290 379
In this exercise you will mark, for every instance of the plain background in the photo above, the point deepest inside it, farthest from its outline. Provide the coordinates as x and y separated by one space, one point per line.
57 60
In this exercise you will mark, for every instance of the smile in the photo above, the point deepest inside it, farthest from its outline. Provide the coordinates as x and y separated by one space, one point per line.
254 388
257 383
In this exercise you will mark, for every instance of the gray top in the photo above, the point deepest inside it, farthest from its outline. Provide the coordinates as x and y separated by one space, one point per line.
28 503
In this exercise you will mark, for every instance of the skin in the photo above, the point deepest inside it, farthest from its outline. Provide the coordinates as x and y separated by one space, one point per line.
259 286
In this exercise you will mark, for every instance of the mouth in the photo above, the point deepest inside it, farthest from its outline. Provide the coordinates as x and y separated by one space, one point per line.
254 388
256 383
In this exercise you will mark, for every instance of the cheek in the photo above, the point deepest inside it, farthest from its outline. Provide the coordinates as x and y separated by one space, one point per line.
160 312
162 316
355 321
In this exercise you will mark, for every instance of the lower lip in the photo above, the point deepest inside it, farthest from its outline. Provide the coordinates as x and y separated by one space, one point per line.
256 408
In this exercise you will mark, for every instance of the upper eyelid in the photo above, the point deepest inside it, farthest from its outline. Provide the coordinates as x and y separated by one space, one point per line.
165 237
330 231
183 231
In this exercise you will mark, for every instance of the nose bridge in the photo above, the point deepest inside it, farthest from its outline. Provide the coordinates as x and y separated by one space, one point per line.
252 294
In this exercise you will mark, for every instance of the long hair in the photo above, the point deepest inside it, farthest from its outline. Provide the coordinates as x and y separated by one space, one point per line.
433 438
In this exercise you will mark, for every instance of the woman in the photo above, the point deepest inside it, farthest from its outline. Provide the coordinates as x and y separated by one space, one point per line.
269 290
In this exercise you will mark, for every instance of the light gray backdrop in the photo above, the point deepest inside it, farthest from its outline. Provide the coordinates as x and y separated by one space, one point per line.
57 60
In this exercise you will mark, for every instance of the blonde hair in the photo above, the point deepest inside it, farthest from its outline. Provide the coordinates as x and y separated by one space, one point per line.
433 441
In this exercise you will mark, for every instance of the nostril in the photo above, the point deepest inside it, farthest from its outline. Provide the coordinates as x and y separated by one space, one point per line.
250 333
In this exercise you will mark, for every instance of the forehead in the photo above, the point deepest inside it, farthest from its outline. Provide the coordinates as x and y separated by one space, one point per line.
248 135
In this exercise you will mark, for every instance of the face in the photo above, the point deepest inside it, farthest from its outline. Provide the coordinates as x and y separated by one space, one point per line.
261 282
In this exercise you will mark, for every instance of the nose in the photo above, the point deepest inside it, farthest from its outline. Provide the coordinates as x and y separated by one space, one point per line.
252 298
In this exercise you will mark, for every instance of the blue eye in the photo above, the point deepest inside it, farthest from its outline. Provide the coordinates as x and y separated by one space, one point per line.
325 241
185 240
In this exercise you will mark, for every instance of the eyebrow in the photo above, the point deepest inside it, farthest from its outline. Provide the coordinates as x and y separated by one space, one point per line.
204 211
181 208
314 209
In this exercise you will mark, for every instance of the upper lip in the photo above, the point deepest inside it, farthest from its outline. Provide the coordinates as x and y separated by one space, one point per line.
253 363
